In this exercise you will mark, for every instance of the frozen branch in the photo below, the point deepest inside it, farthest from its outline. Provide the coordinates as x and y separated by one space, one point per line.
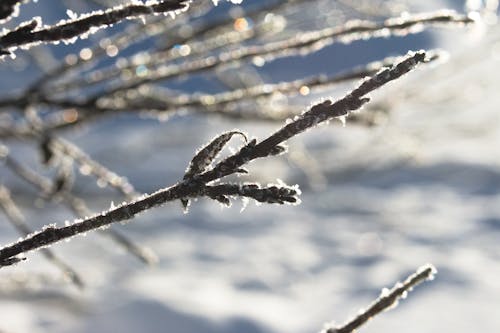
315 115
194 186
163 101
387 300
8 8
279 194
31 32
301 44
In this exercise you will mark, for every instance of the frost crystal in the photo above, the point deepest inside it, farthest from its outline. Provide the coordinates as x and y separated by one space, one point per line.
236 2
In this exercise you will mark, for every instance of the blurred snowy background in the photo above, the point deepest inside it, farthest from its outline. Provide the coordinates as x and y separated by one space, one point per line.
421 186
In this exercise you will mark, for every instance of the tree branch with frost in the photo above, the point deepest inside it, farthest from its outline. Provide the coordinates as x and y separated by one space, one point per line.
304 43
163 100
387 300
317 114
203 174
32 32
17 219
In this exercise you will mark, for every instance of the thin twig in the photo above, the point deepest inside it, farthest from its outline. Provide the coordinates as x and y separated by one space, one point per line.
8 9
30 33
94 167
387 300
206 43
301 44
162 101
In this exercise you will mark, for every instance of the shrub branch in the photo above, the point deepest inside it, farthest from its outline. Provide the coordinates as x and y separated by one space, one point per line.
194 186
387 300
8 9
30 33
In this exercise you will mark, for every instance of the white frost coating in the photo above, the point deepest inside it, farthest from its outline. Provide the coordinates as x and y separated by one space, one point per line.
15 13
385 292
75 17
343 120
244 203
71 14
236 2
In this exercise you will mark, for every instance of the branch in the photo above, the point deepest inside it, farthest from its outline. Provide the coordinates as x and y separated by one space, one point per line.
315 115
214 102
30 33
279 194
387 300
18 221
8 8
303 44
193 186
121 184
203 38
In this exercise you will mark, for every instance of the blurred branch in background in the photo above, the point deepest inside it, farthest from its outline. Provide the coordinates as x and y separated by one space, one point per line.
15 216
55 190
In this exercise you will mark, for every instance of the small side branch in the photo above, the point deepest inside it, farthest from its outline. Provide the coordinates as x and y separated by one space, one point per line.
121 184
387 300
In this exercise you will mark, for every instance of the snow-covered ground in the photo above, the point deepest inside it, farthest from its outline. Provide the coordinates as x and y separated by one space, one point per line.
377 203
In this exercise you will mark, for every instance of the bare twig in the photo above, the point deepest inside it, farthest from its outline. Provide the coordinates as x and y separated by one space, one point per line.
317 114
162 101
